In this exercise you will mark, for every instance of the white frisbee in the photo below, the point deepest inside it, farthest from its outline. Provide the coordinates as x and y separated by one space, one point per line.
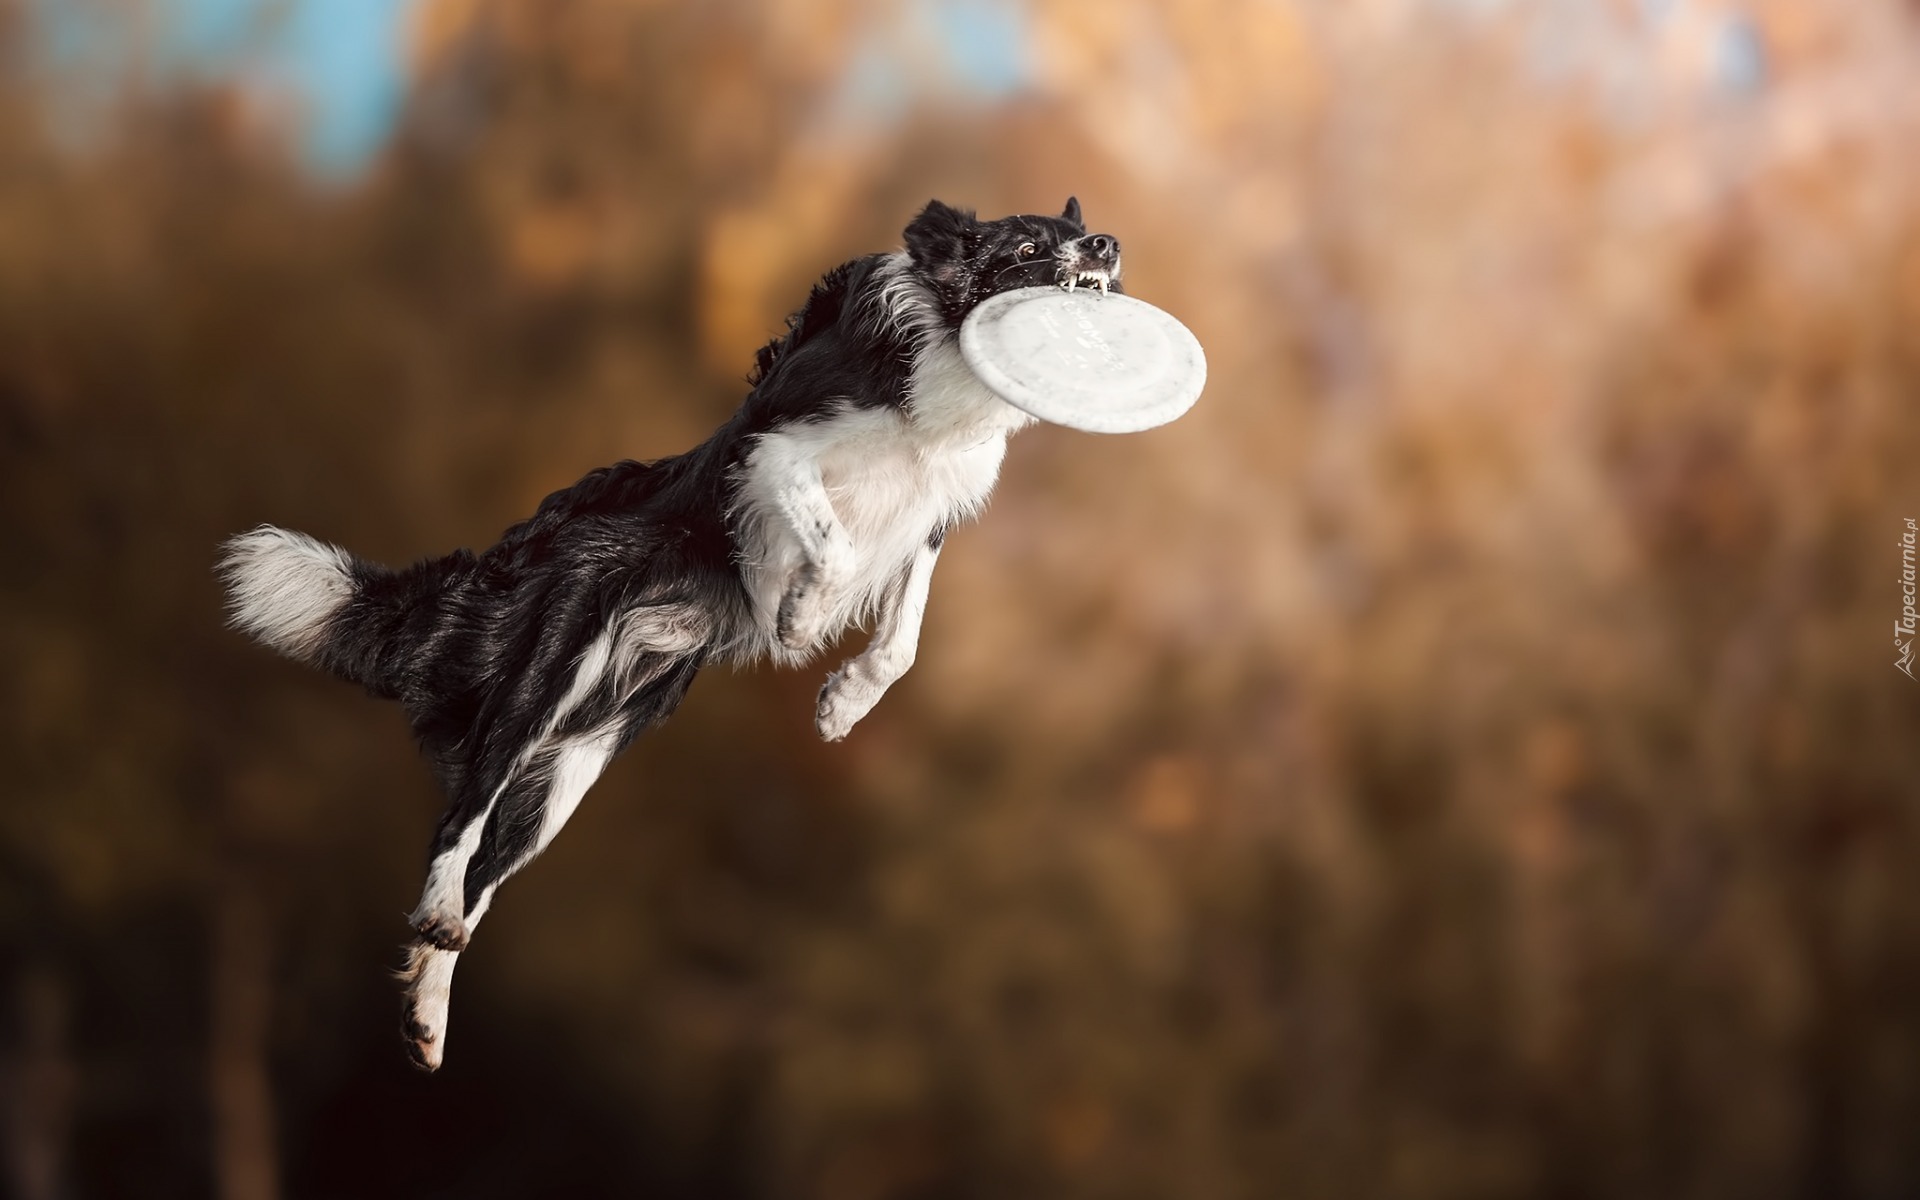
1103 363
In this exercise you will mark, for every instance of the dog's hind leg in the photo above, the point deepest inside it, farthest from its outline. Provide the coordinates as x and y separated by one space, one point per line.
525 816
542 795
440 917
522 819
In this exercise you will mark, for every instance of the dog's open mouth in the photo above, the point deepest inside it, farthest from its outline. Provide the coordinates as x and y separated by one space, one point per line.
1075 277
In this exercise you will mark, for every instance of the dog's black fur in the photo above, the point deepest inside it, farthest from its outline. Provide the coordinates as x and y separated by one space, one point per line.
825 499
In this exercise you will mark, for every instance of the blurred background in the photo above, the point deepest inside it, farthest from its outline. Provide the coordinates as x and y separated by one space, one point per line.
1463 758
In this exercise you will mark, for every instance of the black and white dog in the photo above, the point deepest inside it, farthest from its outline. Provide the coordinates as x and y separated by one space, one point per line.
821 504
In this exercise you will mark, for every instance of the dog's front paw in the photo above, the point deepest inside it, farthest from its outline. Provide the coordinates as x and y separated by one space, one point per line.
801 620
788 626
842 703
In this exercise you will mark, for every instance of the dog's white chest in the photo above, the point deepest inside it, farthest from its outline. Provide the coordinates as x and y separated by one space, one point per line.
891 486
892 478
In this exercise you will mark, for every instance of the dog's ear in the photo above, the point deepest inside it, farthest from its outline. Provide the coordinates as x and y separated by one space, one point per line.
1072 213
940 234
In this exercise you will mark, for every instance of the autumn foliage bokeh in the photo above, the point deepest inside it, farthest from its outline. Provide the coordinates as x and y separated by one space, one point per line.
1463 758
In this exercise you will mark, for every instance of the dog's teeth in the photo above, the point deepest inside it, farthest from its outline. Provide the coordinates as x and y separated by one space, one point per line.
1102 283
1072 281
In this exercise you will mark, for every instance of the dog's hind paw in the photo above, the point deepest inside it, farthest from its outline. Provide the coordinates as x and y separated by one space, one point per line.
423 1044
442 931
425 984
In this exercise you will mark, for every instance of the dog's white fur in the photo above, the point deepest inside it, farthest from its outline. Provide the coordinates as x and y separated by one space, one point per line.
284 587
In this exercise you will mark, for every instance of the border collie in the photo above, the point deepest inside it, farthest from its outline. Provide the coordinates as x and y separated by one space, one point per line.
821 504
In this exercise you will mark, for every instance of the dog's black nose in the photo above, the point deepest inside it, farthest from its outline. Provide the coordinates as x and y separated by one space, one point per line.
1103 245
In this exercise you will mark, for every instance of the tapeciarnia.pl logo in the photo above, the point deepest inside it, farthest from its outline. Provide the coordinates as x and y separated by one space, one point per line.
1903 629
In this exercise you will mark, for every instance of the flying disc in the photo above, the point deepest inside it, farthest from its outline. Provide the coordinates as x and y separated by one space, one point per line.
1105 363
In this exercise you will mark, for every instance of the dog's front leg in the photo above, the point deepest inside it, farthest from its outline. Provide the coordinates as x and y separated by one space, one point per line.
852 691
827 554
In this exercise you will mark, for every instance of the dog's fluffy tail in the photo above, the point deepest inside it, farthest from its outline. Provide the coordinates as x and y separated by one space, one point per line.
315 603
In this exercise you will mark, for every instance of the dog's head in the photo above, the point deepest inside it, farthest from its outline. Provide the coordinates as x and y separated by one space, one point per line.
963 260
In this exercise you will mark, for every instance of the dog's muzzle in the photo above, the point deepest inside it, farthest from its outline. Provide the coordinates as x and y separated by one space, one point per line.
1094 260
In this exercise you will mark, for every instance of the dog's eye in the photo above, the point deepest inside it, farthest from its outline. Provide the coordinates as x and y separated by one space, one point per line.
1028 249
